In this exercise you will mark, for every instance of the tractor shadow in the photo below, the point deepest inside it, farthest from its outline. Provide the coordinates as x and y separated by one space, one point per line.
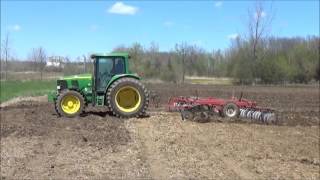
107 114
101 114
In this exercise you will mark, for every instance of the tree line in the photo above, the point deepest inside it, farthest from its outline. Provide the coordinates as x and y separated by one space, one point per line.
276 61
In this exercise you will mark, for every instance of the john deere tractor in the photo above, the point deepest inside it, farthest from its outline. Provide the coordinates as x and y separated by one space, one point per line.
111 85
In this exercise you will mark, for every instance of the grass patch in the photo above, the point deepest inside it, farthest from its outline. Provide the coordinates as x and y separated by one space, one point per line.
209 80
11 89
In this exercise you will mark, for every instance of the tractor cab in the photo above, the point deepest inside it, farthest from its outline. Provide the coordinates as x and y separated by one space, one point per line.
106 67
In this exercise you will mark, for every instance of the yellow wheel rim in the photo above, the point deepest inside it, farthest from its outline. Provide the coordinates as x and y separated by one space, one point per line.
128 99
70 104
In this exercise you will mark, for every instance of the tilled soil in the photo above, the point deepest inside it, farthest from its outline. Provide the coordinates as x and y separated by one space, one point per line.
36 143
177 149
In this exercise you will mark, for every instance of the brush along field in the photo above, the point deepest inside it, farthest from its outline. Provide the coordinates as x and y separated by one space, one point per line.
35 143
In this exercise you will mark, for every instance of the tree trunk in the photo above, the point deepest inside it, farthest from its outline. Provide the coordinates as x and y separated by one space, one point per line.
85 63
6 48
6 66
183 69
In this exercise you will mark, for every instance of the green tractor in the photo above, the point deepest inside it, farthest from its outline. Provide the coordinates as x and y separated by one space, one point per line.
111 85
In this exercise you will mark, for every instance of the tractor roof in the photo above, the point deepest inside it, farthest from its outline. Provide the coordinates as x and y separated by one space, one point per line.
111 54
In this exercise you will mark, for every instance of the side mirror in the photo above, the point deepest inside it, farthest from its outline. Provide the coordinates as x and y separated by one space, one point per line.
129 57
92 56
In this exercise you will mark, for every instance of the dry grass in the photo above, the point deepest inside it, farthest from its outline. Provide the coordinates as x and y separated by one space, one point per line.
31 75
209 80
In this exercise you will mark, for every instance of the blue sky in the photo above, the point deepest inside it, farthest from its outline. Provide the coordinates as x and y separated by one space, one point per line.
73 28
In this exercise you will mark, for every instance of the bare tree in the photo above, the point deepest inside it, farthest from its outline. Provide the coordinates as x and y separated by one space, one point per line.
6 53
181 50
154 55
136 52
259 25
85 62
120 48
38 56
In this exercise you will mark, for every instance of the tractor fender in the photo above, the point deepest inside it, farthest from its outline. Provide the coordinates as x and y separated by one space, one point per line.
120 76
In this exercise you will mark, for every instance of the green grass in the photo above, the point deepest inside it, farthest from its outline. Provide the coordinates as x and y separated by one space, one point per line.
11 89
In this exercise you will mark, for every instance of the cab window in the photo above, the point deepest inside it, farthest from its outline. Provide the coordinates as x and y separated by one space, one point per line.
119 66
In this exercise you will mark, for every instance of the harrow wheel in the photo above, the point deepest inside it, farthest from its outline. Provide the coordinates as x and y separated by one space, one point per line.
188 115
230 110
202 117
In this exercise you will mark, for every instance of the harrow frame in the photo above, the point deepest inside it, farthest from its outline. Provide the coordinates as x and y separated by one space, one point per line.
189 107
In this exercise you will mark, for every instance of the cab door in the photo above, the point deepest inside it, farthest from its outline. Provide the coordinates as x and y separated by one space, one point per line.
106 68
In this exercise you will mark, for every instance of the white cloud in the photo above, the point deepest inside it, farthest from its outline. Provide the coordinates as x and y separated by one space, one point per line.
15 27
123 9
168 24
233 36
218 4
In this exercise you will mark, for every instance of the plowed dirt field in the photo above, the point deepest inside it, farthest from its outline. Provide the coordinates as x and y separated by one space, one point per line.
37 144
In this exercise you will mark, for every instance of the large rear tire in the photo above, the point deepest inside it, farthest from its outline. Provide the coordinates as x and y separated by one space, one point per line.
69 103
127 97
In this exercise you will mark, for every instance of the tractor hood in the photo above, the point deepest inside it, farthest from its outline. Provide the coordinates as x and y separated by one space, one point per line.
80 82
78 77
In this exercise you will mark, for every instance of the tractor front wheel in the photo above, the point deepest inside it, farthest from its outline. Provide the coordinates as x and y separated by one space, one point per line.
69 103
127 97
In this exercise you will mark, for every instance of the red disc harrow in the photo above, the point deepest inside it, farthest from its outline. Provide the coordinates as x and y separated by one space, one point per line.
190 107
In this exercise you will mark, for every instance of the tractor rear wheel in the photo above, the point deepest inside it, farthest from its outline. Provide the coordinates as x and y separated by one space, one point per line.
127 97
69 103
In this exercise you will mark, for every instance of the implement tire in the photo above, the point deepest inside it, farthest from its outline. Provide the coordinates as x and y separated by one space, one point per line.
127 97
230 110
69 103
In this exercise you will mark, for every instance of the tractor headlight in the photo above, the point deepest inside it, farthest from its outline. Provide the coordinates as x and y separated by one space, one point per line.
58 87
